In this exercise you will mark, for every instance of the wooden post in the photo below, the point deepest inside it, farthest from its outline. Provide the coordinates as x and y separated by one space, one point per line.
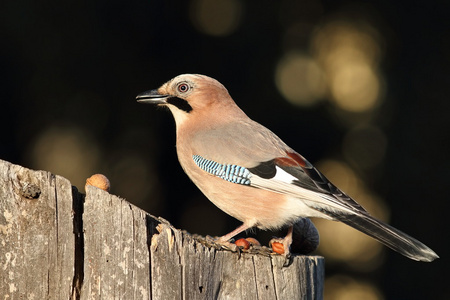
56 243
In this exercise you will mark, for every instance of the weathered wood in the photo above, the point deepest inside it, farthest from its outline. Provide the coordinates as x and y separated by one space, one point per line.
37 243
116 256
61 245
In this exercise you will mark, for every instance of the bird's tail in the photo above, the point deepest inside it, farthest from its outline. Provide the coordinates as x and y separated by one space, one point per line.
388 235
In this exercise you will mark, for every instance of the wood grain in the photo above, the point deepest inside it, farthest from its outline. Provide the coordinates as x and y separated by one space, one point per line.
56 243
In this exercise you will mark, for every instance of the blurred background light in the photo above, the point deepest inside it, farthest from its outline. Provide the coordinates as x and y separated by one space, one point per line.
67 151
354 87
338 41
349 54
340 287
216 17
299 79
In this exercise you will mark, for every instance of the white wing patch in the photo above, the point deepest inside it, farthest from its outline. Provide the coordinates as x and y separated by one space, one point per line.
283 176
282 183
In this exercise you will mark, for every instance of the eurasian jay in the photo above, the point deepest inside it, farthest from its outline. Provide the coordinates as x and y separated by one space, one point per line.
251 174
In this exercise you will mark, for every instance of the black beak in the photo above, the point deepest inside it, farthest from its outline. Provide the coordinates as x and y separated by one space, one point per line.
152 97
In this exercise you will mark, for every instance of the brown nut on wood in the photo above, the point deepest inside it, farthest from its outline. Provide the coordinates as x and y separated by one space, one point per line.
243 243
253 241
278 248
100 181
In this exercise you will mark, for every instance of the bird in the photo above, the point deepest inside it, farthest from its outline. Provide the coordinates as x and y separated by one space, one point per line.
252 175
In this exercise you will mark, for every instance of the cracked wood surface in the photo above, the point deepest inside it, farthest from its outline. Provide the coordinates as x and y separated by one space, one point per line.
56 243
36 234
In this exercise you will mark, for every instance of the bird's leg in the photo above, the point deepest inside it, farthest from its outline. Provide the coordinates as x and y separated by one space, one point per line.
230 235
287 241
225 240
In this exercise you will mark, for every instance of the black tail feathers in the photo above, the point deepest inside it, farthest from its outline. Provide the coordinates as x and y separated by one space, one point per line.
388 235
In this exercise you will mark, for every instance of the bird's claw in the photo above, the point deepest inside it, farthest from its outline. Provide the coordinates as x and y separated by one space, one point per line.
287 260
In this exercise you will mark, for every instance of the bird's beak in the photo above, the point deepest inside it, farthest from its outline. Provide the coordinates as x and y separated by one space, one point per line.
152 97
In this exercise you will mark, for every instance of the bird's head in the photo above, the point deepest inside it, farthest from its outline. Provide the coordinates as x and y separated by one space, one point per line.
191 96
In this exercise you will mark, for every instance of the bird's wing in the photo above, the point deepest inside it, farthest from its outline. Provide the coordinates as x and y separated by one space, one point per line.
294 174
271 164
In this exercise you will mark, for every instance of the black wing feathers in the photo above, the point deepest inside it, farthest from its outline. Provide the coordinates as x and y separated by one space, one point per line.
265 169
308 178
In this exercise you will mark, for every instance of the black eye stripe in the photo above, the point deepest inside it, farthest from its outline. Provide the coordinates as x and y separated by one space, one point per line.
181 104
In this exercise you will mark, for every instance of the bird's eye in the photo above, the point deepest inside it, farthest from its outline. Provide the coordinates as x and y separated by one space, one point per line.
183 87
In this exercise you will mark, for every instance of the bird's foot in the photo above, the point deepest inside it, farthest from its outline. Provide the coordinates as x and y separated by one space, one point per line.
283 245
280 246
217 243
227 245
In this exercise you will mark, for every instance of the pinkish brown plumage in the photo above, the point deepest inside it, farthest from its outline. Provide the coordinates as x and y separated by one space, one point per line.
251 174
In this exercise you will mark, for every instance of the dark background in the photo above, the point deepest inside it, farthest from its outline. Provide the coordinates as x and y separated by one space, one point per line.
70 71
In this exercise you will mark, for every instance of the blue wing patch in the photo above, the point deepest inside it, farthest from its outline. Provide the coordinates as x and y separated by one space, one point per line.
231 173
